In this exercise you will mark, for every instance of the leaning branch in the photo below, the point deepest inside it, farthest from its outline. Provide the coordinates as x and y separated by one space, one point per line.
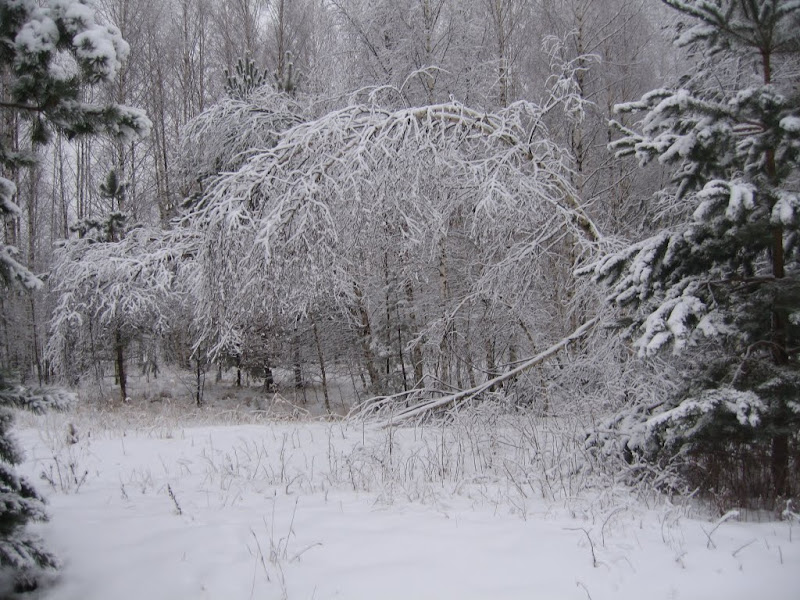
459 397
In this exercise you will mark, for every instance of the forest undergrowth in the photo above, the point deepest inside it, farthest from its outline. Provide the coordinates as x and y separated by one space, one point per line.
516 459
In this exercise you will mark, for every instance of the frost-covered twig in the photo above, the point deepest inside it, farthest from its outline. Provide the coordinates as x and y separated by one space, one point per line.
174 499
591 543
731 514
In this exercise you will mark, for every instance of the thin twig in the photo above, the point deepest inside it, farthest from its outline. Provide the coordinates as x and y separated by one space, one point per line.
740 548
174 500
591 543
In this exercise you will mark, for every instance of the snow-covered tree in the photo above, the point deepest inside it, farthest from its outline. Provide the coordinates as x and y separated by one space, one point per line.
221 138
251 118
720 281
361 208
49 52
112 288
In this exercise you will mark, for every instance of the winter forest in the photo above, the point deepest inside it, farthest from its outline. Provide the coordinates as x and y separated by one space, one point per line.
522 263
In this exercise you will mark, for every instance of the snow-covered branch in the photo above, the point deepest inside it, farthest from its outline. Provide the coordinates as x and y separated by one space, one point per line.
454 400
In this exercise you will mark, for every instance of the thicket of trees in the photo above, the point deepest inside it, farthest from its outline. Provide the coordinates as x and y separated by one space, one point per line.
453 280
416 195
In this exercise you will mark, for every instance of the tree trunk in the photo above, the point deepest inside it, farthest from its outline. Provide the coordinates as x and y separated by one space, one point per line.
120 361
269 378
779 462
491 362
388 303
321 366
200 374
298 371
36 353
446 344
416 352
366 337
512 354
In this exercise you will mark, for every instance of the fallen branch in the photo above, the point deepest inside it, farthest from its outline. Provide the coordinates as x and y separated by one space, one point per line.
459 397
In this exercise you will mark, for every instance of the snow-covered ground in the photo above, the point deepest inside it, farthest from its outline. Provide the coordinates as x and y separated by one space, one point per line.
481 509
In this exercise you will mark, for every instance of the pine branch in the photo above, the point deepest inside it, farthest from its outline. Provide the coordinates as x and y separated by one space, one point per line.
25 107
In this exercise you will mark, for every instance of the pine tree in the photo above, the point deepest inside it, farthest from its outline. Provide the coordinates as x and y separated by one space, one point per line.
245 79
114 190
285 77
49 53
720 281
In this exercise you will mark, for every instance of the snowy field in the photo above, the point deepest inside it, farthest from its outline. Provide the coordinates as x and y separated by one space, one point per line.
486 508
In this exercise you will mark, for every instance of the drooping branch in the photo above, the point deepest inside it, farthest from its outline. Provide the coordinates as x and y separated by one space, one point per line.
329 153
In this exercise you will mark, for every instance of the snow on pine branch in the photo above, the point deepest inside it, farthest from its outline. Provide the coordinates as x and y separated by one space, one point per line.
786 211
13 271
692 416
37 400
125 123
707 139
740 23
732 201
99 49
678 125
669 274
671 322
8 208
57 48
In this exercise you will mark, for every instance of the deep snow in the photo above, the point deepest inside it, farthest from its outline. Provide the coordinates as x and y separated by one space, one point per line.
321 510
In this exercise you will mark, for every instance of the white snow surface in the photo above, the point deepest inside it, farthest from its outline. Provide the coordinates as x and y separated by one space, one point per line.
791 124
335 510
